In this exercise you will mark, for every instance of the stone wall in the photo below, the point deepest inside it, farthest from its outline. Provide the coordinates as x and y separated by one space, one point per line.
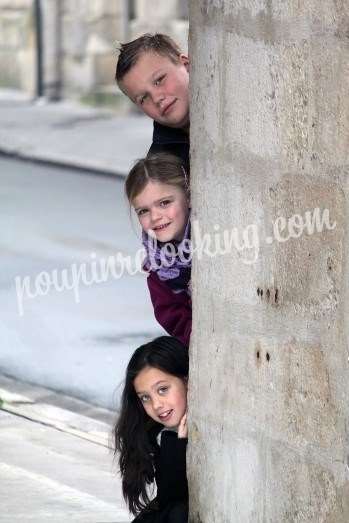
168 17
80 39
90 29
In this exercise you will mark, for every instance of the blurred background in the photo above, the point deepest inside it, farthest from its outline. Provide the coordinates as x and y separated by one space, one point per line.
67 140
67 48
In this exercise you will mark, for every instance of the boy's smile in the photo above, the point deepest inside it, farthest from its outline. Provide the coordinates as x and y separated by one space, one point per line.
160 88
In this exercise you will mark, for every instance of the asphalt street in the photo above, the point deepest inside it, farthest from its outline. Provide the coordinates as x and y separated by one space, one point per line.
69 134
53 220
48 475
56 463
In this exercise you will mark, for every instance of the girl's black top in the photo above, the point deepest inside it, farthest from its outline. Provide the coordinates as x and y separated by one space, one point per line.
171 501
170 469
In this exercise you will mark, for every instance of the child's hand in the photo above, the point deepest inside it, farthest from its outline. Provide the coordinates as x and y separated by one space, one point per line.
183 427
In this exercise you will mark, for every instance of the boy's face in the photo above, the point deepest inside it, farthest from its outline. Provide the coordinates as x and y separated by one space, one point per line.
160 88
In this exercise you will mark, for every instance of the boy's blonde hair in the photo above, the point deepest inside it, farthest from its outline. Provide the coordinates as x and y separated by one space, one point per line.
131 51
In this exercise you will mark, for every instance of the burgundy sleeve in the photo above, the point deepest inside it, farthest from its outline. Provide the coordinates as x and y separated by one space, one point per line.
172 311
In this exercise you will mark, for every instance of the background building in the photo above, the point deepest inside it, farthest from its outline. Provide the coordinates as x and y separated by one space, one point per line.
68 48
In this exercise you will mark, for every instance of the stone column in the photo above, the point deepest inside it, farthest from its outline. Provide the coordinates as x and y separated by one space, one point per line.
17 45
269 376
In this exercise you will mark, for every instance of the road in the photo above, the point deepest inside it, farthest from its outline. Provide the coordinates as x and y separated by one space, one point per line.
49 475
57 220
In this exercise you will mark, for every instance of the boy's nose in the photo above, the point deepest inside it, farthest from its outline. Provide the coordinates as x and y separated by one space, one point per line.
158 98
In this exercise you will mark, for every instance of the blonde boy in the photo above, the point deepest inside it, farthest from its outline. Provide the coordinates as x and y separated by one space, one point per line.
154 73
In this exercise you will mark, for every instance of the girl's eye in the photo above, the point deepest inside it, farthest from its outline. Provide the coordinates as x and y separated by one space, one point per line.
162 390
165 203
140 212
144 398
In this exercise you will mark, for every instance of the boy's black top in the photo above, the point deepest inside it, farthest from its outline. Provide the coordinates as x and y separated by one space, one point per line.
170 140
171 501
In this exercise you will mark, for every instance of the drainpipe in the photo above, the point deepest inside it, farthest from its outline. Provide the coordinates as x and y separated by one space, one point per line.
126 11
52 42
39 90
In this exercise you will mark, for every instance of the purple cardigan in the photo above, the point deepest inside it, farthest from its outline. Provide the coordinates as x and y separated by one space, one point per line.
172 310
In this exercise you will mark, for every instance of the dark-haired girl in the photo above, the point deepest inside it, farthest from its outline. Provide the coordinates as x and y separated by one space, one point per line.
151 432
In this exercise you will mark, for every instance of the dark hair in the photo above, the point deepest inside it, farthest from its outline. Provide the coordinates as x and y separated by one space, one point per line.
161 167
131 51
135 431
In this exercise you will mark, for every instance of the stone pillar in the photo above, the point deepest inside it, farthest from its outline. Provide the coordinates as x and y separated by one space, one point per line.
269 375
17 45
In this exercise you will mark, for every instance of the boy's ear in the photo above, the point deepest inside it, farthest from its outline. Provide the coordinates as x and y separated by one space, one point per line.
184 60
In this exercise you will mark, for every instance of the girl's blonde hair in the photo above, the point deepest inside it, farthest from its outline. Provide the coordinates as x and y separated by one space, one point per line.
161 167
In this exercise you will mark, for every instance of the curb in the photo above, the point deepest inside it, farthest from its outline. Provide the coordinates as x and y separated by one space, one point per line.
61 163
26 400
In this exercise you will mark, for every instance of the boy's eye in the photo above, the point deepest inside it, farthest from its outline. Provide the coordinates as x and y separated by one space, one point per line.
159 80
142 99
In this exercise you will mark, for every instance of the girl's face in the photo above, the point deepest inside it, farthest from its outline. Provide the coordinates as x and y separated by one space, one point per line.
164 209
163 396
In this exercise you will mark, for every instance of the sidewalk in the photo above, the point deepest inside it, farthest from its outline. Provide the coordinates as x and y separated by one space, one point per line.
56 463
69 134
55 459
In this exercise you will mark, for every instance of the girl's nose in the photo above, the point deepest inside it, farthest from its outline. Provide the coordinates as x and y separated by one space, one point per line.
155 214
157 403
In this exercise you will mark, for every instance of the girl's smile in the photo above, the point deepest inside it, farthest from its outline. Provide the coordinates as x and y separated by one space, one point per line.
164 396
163 209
